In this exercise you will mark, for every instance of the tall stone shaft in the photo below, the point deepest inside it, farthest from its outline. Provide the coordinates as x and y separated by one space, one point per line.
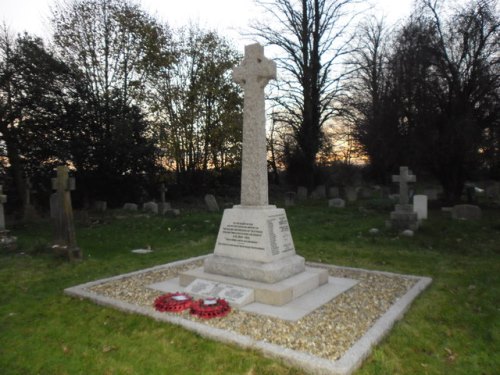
253 74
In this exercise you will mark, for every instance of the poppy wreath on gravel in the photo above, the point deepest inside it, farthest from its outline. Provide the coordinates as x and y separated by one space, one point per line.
173 302
210 308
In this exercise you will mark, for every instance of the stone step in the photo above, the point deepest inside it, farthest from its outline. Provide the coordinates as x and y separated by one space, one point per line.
277 294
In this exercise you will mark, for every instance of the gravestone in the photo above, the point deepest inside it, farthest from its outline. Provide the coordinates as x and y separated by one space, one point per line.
130 207
366 192
64 226
29 212
351 193
319 192
336 203
403 217
174 212
100 206
466 212
163 206
492 191
420 206
151 207
211 203
302 193
254 243
6 241
432 194
3 199
333 192
470 192
290 198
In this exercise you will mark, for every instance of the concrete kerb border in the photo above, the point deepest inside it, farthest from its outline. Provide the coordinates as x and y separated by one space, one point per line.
347 364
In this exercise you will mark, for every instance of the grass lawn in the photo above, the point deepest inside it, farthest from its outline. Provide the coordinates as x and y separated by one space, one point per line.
452 328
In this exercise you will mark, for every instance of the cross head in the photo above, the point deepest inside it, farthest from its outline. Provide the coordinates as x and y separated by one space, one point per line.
255 68
403 178
63 182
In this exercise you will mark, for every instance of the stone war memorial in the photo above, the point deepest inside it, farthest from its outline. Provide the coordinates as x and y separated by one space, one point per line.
254 242
279 304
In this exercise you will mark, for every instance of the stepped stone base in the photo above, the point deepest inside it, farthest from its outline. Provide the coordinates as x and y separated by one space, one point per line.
277 294
404 218
271 272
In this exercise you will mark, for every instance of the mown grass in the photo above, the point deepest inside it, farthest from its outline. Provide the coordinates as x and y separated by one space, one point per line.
452 328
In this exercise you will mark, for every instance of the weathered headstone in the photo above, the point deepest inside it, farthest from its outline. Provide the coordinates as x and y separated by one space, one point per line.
432 194
403 216
174 212
151 207
163 206
3 199
6 241
366 192
290 198
211 203
492 190
100 206
64 226
420 206
29 212
336 203
130 207
466 212
470 192
333 192
351 193
319 192
301 193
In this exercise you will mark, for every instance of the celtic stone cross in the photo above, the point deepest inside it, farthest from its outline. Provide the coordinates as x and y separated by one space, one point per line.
253 74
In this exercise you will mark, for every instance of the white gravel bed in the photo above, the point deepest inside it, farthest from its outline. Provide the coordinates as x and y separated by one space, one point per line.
327 332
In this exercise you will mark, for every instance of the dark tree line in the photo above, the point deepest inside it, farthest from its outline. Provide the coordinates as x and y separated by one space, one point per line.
429 96
120 98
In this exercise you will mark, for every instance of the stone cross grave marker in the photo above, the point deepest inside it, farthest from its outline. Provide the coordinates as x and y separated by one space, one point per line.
211 203
403 178
27 192
64 226
3 199
162 207
253 74
29 211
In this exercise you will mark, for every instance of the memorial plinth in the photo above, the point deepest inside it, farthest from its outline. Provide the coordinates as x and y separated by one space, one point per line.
255 243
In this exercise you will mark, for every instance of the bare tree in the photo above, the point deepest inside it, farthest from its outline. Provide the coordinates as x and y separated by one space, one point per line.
313 36
467 67
195 104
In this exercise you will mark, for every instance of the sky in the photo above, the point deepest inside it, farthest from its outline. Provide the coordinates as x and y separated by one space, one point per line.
229 17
